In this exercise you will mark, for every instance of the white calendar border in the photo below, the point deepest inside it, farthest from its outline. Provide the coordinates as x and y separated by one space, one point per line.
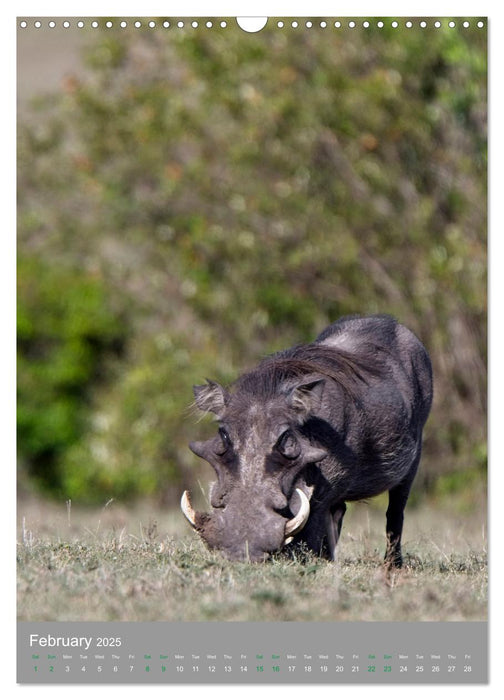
273 8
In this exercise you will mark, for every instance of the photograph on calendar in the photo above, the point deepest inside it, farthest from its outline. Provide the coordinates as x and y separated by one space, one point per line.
252 320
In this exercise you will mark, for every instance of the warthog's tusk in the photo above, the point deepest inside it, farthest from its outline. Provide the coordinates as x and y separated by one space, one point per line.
187 508
298 522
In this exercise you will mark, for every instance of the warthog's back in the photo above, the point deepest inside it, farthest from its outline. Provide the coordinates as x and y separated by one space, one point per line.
378 434
392 348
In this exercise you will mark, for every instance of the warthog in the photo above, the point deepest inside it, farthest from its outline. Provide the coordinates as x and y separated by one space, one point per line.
312 427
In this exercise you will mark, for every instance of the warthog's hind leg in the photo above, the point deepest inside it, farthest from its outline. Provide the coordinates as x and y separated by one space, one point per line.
398 497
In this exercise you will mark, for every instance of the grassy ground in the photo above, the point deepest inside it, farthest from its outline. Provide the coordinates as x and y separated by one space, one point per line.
144 564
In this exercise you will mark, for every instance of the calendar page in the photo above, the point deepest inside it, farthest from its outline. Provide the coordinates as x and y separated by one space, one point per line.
252 343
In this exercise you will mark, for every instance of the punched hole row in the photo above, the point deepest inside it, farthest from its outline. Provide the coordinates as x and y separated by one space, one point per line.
209 24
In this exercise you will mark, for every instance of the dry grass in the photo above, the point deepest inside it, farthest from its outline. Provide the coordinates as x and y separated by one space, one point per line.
143 564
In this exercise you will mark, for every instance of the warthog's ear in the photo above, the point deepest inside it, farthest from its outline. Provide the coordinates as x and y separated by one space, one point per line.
210 397
305 398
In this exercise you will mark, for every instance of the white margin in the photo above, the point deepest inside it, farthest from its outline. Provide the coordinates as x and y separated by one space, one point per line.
274 8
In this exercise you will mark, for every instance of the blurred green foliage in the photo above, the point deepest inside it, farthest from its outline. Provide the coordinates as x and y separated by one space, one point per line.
198 199
65 331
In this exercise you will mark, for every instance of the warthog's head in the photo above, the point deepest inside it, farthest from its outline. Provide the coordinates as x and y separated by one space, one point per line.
260 499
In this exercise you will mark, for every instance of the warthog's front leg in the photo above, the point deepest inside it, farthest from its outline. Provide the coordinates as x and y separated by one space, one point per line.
333 522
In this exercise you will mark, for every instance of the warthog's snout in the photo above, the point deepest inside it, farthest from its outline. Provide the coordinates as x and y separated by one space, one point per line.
248 543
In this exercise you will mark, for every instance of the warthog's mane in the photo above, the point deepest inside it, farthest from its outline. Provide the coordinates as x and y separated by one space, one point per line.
306 362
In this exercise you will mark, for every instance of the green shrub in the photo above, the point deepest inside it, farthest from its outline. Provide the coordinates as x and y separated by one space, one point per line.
237 193
65 333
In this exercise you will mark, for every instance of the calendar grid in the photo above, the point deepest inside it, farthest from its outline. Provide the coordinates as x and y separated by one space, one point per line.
372 652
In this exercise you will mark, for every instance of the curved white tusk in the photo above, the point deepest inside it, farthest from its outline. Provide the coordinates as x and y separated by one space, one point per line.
187 508
298 522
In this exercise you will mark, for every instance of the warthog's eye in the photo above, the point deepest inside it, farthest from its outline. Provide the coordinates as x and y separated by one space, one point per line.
288 445
225 442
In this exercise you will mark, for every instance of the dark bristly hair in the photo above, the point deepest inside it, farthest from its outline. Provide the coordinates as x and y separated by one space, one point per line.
312 361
